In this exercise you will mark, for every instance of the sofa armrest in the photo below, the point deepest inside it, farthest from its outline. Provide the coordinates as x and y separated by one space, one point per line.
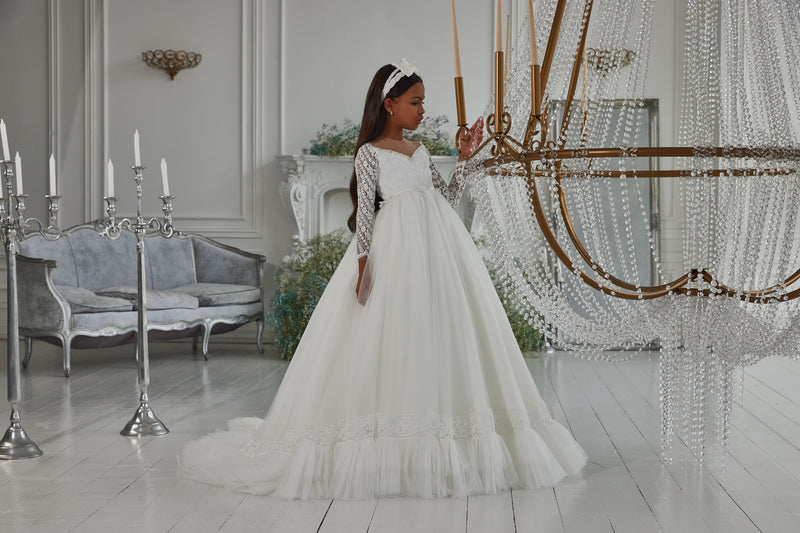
40 305
218 263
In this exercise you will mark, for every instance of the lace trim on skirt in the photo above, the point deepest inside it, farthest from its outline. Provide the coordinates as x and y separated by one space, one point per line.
354 428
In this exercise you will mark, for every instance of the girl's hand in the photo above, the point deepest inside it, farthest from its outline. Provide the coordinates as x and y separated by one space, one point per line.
468 144
363 285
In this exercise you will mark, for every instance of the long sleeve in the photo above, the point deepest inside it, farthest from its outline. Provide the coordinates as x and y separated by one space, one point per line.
452 191
366 165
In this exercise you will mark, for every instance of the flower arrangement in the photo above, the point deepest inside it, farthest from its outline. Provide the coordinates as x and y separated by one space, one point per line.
334 140
303 276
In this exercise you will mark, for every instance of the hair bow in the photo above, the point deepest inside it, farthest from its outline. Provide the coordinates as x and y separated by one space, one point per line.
404 68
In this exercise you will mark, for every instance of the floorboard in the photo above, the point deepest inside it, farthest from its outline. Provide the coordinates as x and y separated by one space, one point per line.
91 479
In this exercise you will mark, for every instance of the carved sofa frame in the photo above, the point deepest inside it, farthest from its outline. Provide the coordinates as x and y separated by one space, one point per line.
79 291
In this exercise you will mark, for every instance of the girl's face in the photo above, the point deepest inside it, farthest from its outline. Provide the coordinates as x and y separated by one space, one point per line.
408 107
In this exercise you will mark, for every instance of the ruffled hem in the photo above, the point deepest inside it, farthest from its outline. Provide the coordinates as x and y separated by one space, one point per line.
421 467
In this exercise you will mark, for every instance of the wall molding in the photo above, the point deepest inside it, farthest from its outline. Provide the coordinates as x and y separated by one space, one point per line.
282 88
248 222
96 104
53 91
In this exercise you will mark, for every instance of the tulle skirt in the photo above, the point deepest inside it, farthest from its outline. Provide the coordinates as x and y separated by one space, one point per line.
421 392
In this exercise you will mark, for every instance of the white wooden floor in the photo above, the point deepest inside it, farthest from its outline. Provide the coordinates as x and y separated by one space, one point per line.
91 479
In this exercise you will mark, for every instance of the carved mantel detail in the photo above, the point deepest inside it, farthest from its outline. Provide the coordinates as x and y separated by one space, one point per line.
309 180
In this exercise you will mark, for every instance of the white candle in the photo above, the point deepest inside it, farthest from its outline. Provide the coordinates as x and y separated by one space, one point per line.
110 180
508 42
532 33
4 137
18 164
508 34
52 175
164 180
137 156
498 28
456 54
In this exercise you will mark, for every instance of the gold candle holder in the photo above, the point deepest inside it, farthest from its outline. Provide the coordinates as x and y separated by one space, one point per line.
498 89
536 90
461 111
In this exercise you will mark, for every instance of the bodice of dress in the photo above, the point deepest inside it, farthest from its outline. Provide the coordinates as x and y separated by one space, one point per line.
389 173
398 173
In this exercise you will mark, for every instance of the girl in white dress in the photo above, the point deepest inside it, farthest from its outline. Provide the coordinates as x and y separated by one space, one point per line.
408 380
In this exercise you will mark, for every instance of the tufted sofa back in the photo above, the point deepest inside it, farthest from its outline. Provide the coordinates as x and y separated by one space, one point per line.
88 260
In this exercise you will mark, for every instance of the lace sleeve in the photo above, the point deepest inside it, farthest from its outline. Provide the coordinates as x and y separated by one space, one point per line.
452 191
366 181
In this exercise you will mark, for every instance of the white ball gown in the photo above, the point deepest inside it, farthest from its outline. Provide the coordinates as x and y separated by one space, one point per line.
421 392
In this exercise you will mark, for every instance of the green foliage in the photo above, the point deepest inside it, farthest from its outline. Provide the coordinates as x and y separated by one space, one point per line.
431 133
302 278
528 337
333 140
299 284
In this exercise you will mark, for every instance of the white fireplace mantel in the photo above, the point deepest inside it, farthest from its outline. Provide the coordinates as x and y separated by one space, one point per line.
312 187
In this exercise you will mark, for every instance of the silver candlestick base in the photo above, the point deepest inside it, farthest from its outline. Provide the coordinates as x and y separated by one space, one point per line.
16 444
144 423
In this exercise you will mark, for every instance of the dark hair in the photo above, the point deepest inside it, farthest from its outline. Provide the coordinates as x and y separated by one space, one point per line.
374 120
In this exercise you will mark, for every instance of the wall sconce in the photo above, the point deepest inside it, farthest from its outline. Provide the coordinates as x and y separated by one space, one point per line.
171 61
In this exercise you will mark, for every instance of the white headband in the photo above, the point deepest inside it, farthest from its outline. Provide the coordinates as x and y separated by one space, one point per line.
404 68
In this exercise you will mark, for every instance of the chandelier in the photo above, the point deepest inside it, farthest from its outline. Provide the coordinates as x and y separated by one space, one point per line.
564 204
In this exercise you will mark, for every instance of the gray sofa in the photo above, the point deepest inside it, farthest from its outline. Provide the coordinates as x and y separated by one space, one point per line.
80 291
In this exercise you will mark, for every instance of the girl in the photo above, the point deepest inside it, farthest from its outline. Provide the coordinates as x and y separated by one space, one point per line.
408 380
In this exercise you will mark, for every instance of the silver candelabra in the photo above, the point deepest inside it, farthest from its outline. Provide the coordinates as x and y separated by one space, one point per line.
14 227
144 421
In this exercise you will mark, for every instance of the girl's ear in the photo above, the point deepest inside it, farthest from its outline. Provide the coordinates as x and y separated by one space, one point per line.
387 105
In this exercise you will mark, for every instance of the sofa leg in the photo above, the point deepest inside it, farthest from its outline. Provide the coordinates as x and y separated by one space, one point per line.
260 325
28 352
66 344
194 343
206 336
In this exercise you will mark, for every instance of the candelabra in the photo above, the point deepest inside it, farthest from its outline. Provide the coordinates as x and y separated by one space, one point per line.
144 421
16 444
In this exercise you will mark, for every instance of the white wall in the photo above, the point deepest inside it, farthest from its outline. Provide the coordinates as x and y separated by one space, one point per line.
327 76
273 71
196 121
24 90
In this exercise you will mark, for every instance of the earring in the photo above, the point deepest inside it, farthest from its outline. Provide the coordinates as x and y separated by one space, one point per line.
391 113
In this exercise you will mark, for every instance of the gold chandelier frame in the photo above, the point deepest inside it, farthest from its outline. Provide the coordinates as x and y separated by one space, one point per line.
535 147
